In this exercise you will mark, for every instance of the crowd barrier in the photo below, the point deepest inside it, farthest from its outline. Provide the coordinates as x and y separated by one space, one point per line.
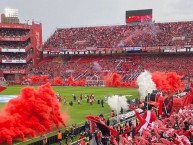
53 139
129 116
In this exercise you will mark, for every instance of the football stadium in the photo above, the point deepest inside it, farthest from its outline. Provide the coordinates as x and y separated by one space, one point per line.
121 84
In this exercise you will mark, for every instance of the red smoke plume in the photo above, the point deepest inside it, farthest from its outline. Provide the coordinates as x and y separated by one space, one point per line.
169 81
71 82
81 82
44 78
58 81
35 80
115 81
31 113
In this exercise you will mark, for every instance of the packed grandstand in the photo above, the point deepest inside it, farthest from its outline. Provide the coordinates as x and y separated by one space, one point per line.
146 35
128 66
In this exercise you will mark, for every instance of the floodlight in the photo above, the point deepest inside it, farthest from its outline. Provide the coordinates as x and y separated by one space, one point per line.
11 12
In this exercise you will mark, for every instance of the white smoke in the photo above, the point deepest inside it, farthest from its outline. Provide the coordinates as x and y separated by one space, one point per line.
116 102
146 84
97 66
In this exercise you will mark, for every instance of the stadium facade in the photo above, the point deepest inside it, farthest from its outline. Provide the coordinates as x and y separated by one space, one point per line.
20 48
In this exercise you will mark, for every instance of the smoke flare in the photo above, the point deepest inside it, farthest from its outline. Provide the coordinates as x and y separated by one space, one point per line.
169 81
31 113
145 83
116 102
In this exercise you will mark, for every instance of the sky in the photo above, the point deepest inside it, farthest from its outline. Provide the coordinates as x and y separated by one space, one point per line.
79 13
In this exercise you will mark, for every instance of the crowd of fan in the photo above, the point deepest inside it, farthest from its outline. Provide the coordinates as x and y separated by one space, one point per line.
13 32
78 67
129 67
175 129
15 44
153 34
15 55
13 67
180 63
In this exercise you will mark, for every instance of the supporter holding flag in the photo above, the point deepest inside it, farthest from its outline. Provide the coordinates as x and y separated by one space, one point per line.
106 130
168 106
148 119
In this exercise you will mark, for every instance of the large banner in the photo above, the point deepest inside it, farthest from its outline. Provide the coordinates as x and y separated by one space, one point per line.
10 38
13 61
102 50
92 49
151 49
12 50
18 38
21 26
133 49
14 71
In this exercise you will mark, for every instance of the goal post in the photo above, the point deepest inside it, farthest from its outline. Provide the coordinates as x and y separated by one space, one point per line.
95 83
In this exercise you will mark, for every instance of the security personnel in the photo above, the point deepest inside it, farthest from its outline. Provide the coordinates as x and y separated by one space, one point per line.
59 137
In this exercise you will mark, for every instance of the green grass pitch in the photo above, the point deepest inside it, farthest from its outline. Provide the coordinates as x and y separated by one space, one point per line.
77 112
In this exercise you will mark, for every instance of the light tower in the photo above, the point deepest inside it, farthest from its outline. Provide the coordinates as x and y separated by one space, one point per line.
10 16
